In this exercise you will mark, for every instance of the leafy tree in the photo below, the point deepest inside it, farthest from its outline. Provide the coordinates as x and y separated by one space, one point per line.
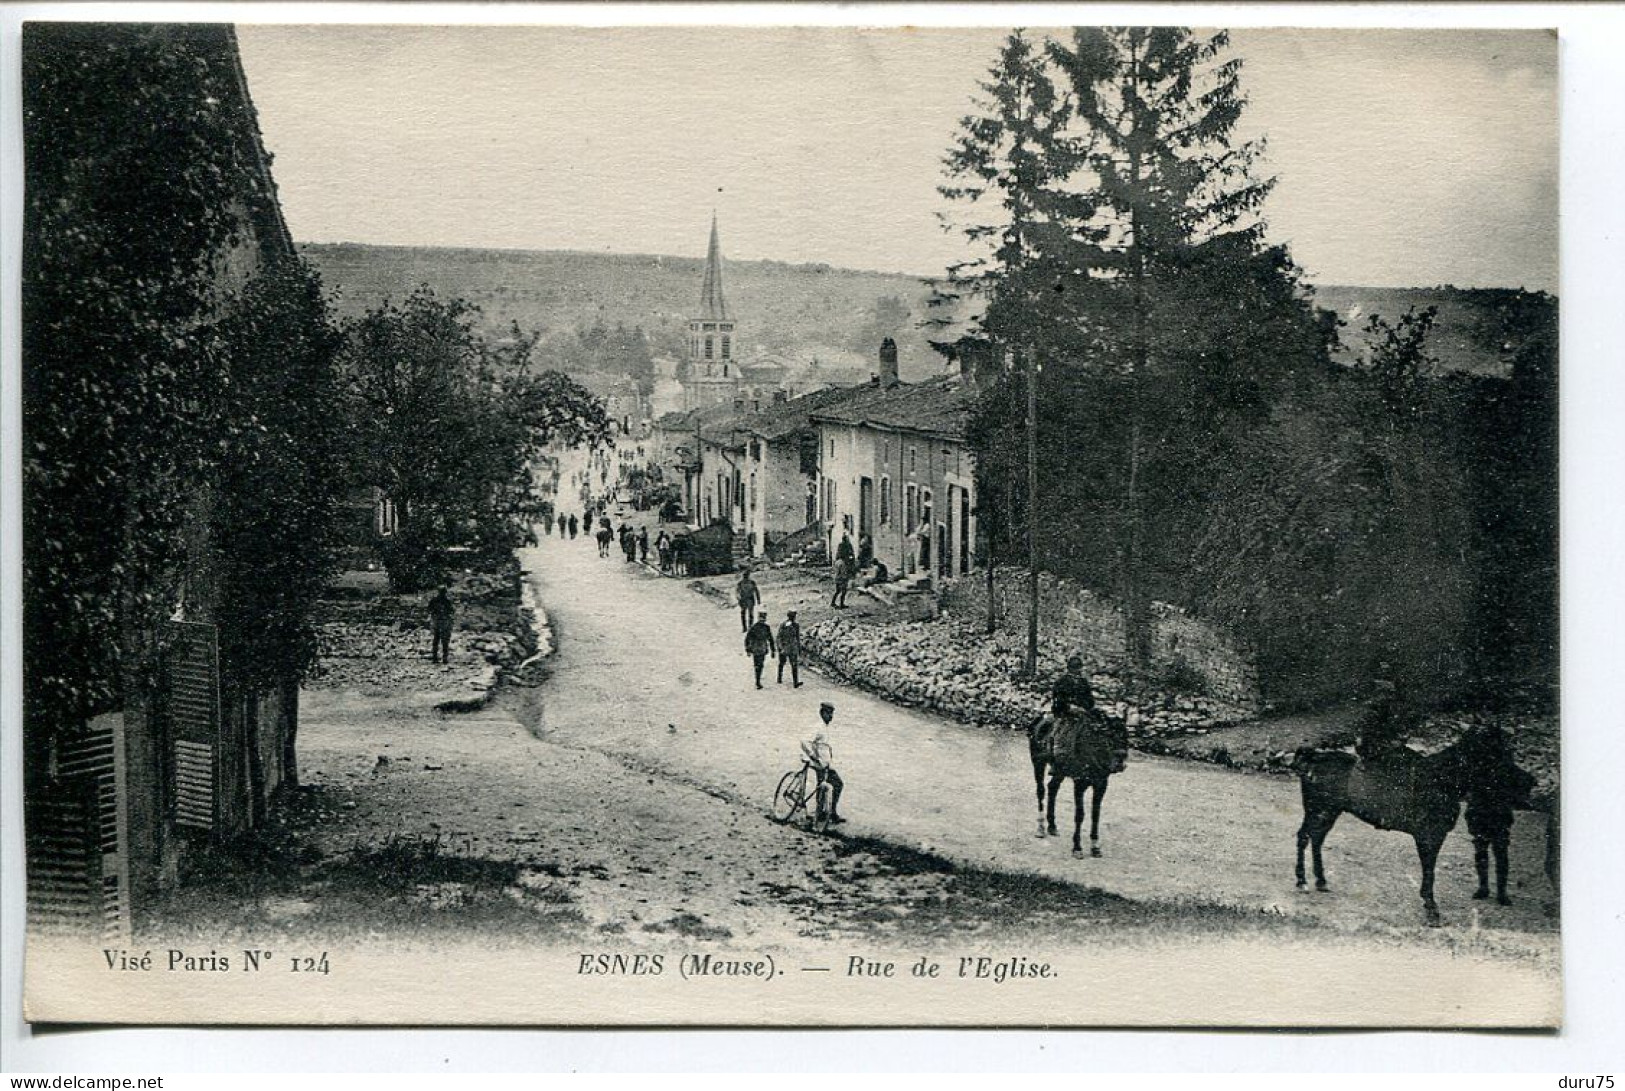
445 426
1005 170
281 477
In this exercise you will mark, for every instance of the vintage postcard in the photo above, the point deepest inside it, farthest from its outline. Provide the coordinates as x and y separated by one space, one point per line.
717 525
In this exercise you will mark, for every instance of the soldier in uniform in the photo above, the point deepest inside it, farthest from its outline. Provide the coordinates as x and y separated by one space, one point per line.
790 649
759 644
1388 720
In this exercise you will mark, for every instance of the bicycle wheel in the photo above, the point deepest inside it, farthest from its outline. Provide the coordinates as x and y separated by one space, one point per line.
790 796
818 814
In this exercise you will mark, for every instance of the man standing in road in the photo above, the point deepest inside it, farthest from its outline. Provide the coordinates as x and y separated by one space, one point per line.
749 598
844 551
643 544
790 649
759 644
843 580
821 756
440 615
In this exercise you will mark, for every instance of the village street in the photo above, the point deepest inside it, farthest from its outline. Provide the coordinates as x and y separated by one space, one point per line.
651 672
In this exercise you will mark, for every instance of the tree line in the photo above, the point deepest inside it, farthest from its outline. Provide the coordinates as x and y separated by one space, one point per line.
1192 434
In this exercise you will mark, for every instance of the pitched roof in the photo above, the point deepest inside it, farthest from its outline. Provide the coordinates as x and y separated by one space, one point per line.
939 407
784 419
713 307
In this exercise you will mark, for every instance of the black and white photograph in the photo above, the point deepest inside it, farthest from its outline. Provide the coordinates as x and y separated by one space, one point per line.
720 525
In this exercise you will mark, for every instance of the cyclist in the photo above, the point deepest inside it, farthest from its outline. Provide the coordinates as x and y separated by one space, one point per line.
820 756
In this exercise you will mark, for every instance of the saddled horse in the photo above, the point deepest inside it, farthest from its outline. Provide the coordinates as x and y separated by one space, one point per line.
1090 755
1414 793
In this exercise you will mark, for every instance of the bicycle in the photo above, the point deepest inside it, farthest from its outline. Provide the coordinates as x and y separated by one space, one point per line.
792 796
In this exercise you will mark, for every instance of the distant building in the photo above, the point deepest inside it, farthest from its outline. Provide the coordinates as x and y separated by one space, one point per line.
624 404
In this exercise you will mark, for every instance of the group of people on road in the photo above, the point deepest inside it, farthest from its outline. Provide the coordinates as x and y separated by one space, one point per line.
785 646
568 526
760 639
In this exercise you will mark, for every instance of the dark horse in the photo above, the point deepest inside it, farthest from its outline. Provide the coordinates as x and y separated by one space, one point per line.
1090 755
1417 794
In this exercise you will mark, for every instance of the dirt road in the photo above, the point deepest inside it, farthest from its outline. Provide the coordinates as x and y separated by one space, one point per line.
655 675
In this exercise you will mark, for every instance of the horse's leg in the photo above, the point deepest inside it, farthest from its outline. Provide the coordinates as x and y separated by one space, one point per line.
1303 843
1094 816
1055 779
1481 864
1499 845
1078 785
1427 850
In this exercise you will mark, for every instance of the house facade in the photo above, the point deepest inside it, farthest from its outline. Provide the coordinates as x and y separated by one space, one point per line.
896 475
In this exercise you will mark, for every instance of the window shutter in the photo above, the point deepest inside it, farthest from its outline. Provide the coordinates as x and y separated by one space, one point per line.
194 704
78 838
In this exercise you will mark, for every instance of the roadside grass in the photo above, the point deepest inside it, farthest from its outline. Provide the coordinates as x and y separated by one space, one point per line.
403 888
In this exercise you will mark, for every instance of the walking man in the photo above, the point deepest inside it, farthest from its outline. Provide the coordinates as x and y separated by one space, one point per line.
440 615
759 644
790 649
749 598
643 544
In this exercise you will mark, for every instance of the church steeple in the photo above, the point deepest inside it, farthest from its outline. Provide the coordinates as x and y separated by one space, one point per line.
713 370
713 307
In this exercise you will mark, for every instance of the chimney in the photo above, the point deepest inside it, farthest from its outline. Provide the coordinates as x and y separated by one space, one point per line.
888 363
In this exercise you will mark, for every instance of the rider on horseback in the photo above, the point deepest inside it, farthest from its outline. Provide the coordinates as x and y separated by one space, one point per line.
1387 722
1072 705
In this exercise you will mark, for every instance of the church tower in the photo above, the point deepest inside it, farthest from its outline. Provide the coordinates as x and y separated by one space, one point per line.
713 365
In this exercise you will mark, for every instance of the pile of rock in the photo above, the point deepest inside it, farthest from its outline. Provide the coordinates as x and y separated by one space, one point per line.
953 668
369 655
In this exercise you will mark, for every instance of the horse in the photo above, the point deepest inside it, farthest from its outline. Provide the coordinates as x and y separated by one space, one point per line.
604 537
1416 794
1091 756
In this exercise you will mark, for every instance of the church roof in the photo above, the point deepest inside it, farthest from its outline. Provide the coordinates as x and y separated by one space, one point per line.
713 307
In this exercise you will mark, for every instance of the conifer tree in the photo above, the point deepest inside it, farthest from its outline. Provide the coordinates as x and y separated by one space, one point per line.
1163 325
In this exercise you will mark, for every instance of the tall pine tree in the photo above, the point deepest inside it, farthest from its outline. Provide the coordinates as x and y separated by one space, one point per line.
1164 327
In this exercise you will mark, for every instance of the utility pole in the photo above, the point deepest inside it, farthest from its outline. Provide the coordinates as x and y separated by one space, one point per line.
1032 514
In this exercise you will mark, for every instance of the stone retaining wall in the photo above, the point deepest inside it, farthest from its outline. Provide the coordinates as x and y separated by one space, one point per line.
951 667
1091 626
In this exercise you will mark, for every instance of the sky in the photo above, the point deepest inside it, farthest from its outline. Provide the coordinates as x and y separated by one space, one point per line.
1403 158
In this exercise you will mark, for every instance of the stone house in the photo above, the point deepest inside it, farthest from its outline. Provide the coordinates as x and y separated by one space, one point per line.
896 474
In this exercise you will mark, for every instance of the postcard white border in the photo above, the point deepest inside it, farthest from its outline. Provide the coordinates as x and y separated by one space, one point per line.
1593 400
